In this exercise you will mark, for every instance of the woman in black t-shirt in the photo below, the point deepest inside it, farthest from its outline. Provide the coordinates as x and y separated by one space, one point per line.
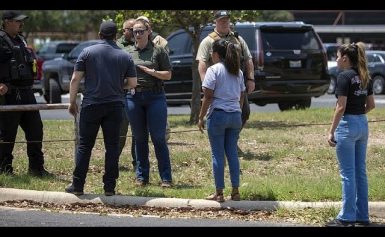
349 133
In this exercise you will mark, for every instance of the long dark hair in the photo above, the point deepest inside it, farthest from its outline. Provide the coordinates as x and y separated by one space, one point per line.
356 54
228 53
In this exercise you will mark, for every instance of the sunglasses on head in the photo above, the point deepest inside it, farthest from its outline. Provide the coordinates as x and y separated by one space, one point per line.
140 32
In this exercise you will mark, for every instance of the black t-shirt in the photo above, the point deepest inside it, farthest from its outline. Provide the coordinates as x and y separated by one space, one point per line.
348 84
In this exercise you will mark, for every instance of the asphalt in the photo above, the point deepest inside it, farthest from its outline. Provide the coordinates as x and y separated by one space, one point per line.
7 194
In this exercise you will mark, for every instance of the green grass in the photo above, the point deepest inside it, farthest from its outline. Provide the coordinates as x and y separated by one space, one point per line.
285 157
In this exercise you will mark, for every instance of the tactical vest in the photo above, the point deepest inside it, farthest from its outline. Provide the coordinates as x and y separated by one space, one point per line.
20 66
233 37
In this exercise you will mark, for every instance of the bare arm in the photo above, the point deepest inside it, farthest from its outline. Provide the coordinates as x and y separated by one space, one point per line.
202 68
208 95
162 75
338 113
250 84
369 104
74 88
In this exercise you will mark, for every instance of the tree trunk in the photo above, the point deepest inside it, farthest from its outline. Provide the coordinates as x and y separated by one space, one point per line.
196 87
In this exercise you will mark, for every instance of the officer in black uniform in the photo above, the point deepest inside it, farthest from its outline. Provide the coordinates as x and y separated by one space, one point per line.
17 69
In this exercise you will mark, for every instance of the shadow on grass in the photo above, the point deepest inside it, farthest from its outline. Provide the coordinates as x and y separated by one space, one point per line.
276 125
252 156
180 144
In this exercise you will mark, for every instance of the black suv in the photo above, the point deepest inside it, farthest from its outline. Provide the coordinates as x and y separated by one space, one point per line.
289 59
57 73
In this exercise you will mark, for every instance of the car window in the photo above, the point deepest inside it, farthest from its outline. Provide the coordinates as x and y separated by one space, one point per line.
65 48
248 34
178 43
372 58
273 40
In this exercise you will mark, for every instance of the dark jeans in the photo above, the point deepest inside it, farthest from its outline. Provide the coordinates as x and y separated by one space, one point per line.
29 121
108 116
147 112
123 136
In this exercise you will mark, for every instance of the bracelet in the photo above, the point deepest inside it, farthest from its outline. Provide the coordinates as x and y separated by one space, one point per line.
154 70
250 79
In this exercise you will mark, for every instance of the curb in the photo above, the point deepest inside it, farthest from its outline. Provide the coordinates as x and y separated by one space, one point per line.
10 194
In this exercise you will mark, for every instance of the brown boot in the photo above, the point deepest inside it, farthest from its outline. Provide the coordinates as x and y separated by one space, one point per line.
235 196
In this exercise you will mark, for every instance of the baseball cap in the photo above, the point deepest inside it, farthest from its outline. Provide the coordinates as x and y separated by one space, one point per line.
13 15
221 13
108 28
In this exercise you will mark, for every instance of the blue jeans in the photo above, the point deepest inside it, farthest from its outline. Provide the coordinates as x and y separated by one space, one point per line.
108 116
147 112
352 139
223 129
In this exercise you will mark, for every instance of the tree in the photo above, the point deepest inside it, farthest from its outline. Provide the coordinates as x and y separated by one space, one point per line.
193 21
67 21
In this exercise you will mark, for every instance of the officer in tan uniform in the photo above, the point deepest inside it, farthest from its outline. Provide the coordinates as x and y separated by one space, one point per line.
222 30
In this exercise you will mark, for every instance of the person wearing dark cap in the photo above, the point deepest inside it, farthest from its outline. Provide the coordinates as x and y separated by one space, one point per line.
110 70
222 31
16 79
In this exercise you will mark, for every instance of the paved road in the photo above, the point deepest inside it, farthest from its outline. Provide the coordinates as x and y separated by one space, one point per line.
17 217
320 102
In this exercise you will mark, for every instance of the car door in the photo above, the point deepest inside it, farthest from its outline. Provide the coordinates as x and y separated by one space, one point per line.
180 85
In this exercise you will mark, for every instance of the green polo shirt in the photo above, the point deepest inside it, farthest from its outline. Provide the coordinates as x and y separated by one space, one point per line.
151 56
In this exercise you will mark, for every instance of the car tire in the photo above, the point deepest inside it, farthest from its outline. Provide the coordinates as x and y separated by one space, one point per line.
332 86
53 94
378 84
303 104
283 106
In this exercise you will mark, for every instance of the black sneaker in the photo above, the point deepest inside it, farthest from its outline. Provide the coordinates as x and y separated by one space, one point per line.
71 189
362 224
339 223
39 173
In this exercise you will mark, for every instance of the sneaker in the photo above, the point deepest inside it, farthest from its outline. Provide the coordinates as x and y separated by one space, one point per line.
39 173
71 189
109 193
339 223
166 184
362 224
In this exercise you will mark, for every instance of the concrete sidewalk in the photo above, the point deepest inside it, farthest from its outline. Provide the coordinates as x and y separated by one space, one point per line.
8 194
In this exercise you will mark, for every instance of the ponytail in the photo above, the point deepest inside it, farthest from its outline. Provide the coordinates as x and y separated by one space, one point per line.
229 54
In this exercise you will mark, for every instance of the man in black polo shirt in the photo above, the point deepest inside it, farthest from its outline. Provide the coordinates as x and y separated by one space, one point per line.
109 71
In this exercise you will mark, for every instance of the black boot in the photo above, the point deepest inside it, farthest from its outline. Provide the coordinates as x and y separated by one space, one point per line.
39 172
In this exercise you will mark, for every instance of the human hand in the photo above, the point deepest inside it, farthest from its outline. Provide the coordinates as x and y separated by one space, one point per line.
201 125
145 69
331 140
73 109
3 89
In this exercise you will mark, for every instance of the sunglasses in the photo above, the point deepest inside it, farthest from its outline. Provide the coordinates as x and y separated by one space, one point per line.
139 32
